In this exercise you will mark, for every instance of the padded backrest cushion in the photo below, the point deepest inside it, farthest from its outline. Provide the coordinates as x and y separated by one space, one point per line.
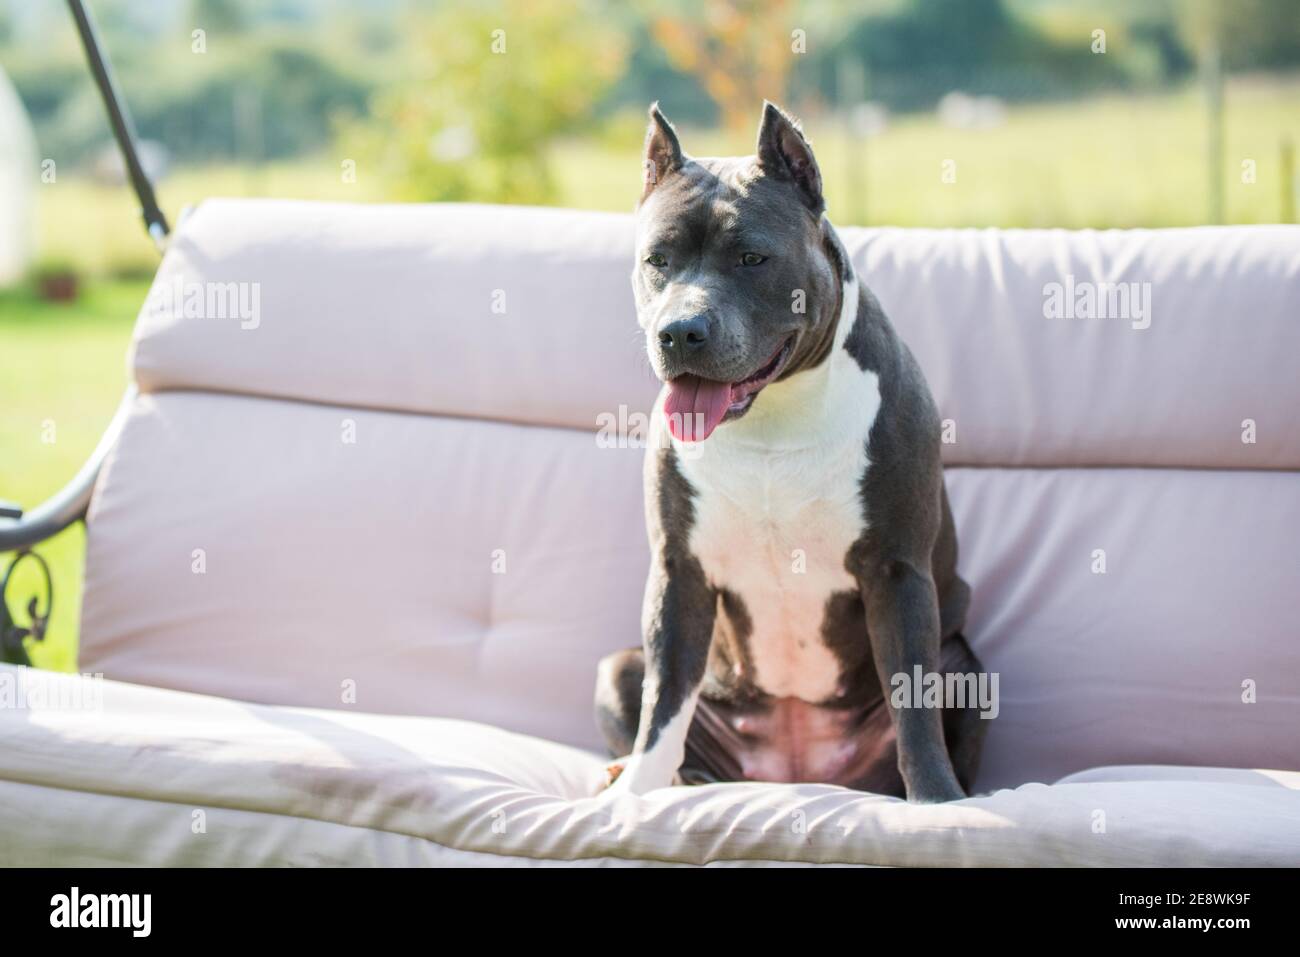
306 553
526 315
392 490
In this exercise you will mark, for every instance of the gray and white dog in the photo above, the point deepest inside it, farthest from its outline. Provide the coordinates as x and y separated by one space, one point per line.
803 551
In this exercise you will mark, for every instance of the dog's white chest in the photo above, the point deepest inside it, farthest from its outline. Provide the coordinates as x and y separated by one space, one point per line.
777 507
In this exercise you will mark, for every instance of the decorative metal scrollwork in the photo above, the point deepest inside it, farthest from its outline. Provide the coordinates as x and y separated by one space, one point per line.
12 650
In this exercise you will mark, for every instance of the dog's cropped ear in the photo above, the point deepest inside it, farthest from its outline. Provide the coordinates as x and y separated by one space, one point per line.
783 153
663 153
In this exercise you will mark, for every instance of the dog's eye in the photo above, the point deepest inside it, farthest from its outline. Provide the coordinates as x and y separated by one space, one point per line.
658 260
752 259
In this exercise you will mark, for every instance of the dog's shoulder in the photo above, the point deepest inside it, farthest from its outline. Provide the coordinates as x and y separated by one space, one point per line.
902 489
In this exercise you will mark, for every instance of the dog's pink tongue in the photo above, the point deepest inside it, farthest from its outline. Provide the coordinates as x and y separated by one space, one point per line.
695 406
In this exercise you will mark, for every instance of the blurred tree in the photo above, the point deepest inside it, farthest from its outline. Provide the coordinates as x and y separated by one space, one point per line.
224 16
650 76
496 84
740 50
923 49
190 102
1249 34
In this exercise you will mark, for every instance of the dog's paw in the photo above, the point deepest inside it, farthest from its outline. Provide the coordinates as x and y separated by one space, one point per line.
936 794
615 780
625 776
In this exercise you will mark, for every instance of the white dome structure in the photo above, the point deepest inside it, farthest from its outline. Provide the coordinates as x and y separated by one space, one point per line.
19 175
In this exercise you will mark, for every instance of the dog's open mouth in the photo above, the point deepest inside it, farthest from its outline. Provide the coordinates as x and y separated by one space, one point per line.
695 406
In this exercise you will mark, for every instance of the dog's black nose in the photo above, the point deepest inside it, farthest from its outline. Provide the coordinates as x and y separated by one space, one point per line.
684 336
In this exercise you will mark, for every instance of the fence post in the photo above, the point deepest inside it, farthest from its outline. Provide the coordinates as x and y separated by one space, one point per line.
1288 181
1212 74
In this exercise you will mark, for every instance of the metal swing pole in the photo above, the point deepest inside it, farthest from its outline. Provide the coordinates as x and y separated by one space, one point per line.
123 130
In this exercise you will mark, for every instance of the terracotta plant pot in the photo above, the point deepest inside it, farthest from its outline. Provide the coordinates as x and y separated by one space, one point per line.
58 287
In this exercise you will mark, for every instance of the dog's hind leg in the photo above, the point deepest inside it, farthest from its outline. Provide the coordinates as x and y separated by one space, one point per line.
618 699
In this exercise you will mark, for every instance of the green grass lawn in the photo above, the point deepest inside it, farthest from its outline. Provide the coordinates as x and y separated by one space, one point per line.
62 371
1108 162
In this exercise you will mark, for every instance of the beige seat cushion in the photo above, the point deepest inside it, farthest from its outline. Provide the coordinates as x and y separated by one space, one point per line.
147 776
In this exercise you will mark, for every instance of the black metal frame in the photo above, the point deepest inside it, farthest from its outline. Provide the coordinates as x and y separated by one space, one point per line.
23 530
19 531
12 634
155 223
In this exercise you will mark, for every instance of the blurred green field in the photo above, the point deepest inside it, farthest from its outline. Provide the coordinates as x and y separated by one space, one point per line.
62 370
1107 162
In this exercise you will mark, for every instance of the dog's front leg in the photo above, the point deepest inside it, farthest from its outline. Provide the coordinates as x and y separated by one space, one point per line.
903 625
677 622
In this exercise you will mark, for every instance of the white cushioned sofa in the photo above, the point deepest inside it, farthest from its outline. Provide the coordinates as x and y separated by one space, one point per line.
357 549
